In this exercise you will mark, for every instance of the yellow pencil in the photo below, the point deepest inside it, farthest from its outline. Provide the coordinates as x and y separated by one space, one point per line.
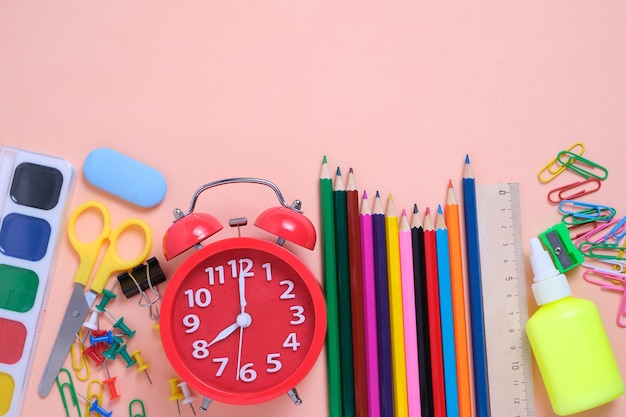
458 304
398 360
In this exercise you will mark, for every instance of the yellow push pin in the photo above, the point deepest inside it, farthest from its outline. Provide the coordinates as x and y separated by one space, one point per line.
177 394
141 365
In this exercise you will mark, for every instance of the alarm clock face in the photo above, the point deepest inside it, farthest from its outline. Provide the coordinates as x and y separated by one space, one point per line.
243 320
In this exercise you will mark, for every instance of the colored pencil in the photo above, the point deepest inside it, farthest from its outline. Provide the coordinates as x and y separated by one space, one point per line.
474 283
421 314
458 303
330 290
394 275
408 311
385 378
447 320
369 308
343 295
356 296
434 317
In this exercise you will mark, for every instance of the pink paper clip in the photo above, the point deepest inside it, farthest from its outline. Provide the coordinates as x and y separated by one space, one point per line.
595 235
617 283
574 190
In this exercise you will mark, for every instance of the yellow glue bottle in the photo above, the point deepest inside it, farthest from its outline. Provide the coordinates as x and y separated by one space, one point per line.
569 342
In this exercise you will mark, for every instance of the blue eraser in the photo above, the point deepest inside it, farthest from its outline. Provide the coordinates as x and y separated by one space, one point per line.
125 177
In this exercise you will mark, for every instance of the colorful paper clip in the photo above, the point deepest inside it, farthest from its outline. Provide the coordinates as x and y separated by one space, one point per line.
134 404
601 250
72 391
576 212
91 395
574 190
554 168
612 281
582 166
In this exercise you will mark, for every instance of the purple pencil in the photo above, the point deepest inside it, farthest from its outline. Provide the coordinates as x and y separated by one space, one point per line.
369 308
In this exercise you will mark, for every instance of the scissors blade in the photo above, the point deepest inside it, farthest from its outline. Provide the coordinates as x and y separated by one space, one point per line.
75 315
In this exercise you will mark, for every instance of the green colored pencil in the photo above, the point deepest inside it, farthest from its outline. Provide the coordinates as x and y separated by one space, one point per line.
342 251
327 213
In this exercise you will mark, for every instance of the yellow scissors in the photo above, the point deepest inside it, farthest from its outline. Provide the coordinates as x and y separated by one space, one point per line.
81 301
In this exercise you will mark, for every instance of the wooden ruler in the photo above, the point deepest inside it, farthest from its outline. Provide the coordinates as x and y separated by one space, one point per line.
509 363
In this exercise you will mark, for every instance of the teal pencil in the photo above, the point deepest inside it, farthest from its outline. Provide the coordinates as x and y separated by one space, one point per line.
330 289
342 251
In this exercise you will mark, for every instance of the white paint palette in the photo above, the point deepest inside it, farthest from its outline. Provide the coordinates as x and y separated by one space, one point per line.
34 193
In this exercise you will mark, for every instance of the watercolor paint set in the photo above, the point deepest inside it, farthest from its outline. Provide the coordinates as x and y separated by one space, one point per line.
35 190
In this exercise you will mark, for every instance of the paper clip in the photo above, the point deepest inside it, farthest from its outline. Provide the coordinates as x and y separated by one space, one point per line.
602 250
617 283
588 212
574 190
72 391
595 234
576 163
555 168
576 231
617 232
90 395
83 363
140 405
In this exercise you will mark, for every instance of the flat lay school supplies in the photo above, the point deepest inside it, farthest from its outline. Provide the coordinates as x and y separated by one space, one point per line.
81 301
34 194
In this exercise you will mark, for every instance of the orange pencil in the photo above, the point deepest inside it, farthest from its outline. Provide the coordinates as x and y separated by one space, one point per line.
458 304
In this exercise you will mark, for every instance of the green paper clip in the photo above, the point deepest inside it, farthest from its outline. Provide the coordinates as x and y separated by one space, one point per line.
139 405
582 166
563 251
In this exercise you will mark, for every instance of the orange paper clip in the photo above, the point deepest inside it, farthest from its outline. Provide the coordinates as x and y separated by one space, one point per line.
554 167
574 190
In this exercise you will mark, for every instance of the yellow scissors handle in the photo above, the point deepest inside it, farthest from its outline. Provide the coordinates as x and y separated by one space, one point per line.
112 262
88 251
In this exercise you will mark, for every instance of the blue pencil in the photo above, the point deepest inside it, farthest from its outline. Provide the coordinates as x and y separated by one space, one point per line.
447 320
479 348
382 308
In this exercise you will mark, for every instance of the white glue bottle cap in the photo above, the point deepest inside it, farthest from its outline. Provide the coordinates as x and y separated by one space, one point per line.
549 284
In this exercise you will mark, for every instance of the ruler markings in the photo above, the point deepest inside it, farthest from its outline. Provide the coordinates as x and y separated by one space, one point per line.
503 275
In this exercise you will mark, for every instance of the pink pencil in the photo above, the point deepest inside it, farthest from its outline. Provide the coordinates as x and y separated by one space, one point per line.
369 308
410 327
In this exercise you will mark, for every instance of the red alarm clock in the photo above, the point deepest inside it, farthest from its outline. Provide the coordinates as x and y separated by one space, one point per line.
243 320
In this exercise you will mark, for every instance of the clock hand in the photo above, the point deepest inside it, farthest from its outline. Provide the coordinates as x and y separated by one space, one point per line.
224 333
242 290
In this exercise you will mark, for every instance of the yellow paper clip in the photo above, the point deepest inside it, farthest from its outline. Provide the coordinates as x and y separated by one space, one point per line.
582 166
90 395
82 363
69 385
140 405
554 167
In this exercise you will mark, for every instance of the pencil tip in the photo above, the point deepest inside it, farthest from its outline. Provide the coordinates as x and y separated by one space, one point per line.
338 171
415 208
428 211
449 183
364 195
439 209
467 161
403 212
377 194
324 160
351 171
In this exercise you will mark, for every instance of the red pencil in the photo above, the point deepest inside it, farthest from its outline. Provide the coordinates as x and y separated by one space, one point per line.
434 317
356 297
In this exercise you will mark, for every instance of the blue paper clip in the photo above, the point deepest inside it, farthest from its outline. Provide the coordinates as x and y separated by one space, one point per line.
577 164
72 391
617 232
587 212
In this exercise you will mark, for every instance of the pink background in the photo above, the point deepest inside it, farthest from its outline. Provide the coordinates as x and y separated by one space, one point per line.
398 90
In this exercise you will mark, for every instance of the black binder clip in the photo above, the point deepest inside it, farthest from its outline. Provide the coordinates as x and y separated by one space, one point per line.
139 280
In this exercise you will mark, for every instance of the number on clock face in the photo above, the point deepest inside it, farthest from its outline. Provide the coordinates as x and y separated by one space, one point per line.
245 319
